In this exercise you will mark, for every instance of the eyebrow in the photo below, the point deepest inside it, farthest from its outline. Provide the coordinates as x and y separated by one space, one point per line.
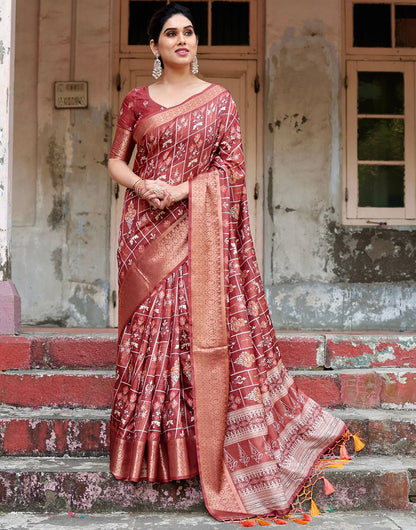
185 27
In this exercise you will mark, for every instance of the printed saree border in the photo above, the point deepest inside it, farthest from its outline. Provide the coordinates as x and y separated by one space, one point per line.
161 257
209 343
167 115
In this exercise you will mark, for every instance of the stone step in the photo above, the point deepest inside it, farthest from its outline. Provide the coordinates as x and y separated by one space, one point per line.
98 348
47 431
387 388
85 485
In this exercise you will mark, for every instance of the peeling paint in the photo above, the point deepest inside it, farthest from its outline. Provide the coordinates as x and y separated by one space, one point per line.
56 257
372 254
56 216
5 266
2 51
56 160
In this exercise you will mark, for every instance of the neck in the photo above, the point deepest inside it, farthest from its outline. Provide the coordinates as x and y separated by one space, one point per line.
176 76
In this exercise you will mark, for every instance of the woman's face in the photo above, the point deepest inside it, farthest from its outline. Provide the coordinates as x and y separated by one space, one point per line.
177 42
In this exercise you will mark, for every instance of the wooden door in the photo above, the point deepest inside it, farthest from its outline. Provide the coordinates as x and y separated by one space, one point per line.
238 76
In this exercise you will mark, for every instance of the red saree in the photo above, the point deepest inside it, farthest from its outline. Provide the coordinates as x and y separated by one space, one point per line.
200 385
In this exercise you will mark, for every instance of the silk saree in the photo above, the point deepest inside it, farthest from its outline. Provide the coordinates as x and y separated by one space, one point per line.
200 384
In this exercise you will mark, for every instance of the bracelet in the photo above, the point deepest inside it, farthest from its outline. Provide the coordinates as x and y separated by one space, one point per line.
135 184
137 187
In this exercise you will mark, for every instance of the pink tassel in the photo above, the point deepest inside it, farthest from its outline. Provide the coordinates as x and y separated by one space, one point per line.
344 453
328 487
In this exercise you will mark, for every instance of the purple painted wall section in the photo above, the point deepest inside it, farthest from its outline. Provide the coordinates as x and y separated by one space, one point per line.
9 308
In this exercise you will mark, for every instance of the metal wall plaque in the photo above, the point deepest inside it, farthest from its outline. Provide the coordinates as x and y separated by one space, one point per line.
71 94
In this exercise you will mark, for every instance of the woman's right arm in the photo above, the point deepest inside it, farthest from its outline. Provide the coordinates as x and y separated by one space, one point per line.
121 173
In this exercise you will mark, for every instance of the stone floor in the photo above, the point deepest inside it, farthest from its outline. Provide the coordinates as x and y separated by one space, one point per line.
170 521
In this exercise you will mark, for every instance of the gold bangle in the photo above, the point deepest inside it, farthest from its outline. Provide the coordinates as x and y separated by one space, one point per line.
138 187
135 184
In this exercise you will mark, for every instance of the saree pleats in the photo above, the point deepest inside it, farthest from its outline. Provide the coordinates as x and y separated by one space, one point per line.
200 385
152 428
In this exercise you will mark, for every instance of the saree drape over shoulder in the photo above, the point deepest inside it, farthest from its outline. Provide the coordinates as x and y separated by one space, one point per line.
200 384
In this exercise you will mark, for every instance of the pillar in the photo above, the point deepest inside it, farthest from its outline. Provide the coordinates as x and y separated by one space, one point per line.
9 298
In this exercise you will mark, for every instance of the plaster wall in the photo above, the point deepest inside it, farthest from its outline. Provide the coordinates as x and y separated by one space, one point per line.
320 274
61 190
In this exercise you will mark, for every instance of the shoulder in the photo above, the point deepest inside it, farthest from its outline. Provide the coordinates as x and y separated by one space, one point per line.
136 94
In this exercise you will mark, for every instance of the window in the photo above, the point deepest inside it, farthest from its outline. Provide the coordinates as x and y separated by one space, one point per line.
380 82
221 23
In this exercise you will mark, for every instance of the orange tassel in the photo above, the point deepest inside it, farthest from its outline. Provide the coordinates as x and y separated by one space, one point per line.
307 517
248 523
262 522
344 453
338 466
300 521
328 487
358 443
314 509
280 521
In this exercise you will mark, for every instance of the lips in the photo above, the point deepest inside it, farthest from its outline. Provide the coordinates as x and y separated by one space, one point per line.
182 51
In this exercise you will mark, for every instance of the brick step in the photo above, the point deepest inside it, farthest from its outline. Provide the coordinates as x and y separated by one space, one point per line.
85 485
82 432
387 388
58 350
47 431
57 388
299 350
343 350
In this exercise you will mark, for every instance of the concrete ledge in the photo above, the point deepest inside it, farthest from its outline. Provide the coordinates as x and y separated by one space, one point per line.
85 485
343 306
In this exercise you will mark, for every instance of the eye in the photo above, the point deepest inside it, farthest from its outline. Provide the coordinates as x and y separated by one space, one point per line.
171 33
188 32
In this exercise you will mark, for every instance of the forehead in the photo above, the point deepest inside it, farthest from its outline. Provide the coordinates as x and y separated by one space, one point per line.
176 21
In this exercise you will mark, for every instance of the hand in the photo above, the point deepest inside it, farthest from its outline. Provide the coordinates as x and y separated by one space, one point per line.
155 195
177 192
160 194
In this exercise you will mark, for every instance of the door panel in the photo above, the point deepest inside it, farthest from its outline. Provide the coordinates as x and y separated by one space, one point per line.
235 75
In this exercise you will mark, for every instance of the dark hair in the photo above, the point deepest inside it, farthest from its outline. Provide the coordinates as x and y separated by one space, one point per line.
159 18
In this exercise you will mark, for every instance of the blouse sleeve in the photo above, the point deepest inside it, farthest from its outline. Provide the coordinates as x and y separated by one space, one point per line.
123 143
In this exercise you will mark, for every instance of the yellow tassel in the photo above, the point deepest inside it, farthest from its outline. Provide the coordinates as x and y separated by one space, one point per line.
314 509
358 443
338 466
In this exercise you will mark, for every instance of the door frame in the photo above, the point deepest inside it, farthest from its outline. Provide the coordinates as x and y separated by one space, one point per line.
254 52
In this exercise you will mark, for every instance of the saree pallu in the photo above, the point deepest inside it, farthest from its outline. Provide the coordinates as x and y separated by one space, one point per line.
200 384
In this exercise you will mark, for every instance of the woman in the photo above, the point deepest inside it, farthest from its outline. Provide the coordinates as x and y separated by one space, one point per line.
200 385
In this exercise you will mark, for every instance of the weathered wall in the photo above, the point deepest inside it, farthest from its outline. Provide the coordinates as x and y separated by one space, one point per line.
320 274
61 189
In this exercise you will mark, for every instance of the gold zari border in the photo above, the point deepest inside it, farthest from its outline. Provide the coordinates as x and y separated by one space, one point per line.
209 340
161 257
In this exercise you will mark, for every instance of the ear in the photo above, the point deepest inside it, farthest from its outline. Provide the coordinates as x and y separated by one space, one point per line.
153 47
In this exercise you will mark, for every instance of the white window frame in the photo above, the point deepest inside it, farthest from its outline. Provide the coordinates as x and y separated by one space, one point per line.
376 60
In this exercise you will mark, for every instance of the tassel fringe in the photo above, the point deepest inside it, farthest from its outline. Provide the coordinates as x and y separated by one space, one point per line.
328 487
328 460
314 509
358 443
